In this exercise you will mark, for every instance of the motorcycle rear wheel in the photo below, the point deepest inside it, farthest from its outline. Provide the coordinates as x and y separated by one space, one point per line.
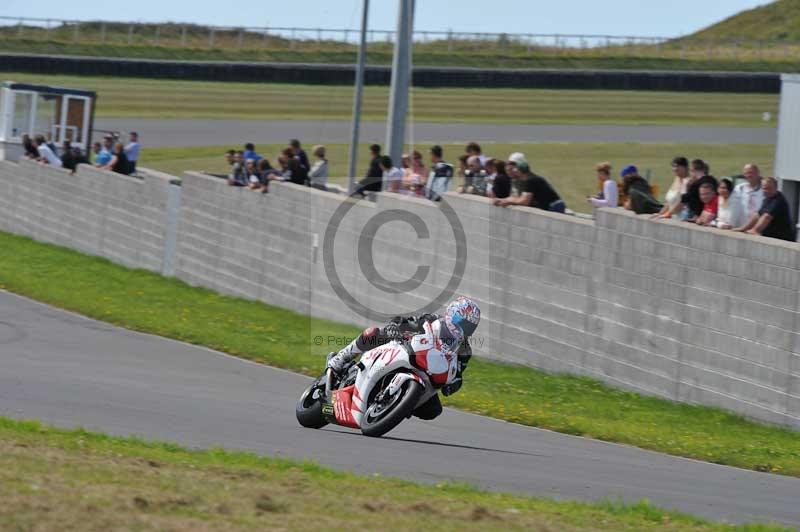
309 408
376 425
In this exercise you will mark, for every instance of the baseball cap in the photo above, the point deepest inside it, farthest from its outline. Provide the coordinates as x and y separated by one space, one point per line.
523 167
516 157
630 169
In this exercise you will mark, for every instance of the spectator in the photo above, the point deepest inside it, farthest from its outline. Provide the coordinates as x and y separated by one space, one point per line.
119 161
498 183
440 176
511 165
691 199
609 193
100 156
417 166
536 192
250 152
230 156
108 145
474 149
774 219
750 193
730 212
252 177
46 155
30 149
708 195
293 170
462 166
672 199
516 158
70 158
373 180
51 144
637 192
300 153
392 176
318 175
132 151
474 177
411 184
237 177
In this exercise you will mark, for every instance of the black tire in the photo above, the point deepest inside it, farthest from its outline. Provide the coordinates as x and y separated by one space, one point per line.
403 408
309 409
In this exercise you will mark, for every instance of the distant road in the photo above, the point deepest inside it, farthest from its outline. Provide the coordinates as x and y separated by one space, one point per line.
194 132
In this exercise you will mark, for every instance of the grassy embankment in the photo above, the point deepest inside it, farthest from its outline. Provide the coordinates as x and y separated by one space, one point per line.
147 302
53 479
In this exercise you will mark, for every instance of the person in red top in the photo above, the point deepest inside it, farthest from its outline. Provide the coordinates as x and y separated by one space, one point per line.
710 204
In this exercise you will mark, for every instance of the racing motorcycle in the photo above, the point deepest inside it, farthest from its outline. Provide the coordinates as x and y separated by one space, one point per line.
377 393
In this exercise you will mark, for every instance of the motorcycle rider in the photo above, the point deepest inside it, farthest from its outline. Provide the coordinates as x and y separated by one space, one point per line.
453 329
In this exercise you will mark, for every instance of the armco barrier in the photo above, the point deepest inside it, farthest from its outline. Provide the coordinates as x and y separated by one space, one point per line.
663 308
332 74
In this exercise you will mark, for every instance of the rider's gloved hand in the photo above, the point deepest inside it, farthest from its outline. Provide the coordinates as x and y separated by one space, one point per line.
336 362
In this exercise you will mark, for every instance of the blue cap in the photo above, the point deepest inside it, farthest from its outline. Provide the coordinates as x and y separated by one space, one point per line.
630 169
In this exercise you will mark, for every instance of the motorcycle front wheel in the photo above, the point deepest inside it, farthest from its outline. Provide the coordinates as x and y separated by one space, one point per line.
385 413
309 407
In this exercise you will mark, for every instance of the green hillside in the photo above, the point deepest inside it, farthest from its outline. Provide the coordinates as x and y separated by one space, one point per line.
776 21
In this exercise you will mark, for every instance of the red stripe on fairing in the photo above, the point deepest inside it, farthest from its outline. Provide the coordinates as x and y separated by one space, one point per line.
421 358
343 402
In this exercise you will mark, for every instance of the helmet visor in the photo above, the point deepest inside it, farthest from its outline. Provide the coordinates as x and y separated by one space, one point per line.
466 326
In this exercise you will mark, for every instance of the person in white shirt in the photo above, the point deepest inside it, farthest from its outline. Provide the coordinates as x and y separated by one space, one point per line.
132 150
609 195
392 175
730 211
751 194
46 155
318 175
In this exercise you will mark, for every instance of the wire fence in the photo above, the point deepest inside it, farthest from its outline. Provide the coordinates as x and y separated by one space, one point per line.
194 36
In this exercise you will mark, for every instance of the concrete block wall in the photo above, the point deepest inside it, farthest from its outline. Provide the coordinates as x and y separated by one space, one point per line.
95 211
664 308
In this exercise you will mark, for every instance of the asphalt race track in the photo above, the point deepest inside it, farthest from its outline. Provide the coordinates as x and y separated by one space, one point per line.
68 370
193 132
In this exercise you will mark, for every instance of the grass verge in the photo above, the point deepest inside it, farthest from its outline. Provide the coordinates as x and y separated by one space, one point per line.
162 99
77 480
569 166
475 54
144 301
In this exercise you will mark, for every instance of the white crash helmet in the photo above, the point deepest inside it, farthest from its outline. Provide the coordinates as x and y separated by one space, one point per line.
462 317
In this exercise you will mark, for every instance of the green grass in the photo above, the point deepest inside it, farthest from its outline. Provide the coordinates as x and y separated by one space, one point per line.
570 167
775 21
684 54
55 479
145 301
149 98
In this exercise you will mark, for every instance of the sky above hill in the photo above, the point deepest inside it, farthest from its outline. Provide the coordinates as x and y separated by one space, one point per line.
611 17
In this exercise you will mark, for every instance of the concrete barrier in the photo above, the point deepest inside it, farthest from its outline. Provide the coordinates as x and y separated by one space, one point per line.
663 308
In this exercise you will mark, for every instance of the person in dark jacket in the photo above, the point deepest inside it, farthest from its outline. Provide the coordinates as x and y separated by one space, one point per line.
373 181
638 192
691 200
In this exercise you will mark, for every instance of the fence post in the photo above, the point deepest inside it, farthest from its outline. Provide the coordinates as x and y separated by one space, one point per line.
292 41
211 37
76 34
450 40
102 32
183 35
47 30
240 38
319 35
19 27
157 35
130 34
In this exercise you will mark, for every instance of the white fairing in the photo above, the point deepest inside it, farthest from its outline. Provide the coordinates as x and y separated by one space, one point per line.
377 363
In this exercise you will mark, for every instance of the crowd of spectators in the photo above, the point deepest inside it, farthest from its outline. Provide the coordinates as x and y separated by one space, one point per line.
745 203
251 170
111 154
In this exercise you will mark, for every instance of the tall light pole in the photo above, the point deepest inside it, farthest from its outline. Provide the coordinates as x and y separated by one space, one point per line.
401 80
356 125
